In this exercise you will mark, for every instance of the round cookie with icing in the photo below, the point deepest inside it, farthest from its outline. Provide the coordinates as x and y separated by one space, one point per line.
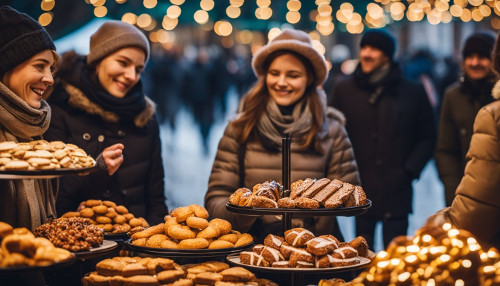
298 236
252 258
273 241
320 246
271 255
300 255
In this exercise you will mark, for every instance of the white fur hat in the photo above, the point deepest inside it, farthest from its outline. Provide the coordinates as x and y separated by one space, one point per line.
296 41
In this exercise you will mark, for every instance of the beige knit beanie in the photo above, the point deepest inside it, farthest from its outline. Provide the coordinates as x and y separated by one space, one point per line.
296 41
114 35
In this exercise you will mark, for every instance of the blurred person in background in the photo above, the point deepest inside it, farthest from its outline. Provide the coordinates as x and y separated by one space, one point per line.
392 129
461 102
199 91
286 97
476 206
98 101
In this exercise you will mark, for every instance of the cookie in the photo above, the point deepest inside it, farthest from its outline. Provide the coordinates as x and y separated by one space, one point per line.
306 203
223 225
7 145
207 278
298 236
273 241
337 199
356 198
217 244
286 203
252 258
194 243
315 188
320 246
237 274
300 186
169 276
244 239
327 191
197 222
16 165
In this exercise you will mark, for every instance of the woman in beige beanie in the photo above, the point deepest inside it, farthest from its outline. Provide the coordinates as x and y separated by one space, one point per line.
286 97
98 101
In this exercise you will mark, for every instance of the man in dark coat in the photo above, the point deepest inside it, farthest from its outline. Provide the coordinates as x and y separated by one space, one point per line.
461 102
392 129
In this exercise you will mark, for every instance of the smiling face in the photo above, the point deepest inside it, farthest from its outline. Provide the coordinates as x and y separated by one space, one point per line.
119 72
31 79
477 67
371 59
286 79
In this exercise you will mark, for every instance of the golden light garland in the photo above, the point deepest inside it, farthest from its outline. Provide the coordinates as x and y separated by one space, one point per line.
379 13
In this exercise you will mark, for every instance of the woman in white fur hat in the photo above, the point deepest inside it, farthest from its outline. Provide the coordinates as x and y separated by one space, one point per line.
286 97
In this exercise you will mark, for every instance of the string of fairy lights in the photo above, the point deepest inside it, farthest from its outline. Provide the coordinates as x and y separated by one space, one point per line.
379 13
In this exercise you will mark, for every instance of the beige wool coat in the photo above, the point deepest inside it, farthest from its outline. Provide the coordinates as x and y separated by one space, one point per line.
476 207
261 164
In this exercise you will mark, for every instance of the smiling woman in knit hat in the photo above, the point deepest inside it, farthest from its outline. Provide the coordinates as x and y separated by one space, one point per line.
98 104
287 97
27 58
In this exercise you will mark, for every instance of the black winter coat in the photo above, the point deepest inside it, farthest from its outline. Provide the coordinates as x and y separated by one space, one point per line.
393 137
461 103
139 182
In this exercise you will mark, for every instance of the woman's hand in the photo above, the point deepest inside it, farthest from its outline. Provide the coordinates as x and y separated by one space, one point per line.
113 157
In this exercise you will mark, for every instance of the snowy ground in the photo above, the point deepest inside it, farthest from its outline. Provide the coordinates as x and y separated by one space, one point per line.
187 170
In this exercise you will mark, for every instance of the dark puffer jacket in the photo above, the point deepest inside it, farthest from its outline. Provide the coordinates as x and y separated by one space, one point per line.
460 105
393 136
139 182
261 164
476 206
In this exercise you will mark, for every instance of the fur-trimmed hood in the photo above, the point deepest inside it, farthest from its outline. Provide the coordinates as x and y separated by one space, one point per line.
496 90
77 99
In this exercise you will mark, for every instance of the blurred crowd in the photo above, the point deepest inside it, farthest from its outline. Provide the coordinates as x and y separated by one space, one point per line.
199 78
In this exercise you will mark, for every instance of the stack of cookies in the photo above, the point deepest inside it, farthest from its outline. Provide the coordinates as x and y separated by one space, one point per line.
305 194
188 228
21 248
301 249
163 271
110 217
42 155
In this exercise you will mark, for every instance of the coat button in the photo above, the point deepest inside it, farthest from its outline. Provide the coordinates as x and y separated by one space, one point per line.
86 136
124 192
100 138
380 162
121 133
463 132
107 193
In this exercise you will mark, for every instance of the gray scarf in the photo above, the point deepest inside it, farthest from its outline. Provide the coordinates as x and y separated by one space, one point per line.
272 124
22 120
24 203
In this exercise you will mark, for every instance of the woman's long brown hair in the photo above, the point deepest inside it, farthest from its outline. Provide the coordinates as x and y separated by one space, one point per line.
256 99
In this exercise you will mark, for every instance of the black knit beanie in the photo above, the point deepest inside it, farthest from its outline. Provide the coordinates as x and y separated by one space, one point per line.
21 37
480 43
381 40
